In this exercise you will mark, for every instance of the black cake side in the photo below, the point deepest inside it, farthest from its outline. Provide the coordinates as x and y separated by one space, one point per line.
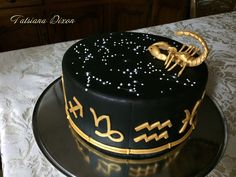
122 100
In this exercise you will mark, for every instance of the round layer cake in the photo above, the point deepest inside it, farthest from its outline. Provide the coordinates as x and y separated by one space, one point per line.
122 100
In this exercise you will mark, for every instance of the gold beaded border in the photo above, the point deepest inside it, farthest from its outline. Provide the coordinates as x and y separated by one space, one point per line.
117 149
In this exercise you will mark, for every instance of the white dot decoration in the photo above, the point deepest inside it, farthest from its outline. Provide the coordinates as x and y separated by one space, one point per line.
124 64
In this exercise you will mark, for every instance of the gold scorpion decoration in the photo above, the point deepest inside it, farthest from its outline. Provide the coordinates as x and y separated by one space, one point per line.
185 57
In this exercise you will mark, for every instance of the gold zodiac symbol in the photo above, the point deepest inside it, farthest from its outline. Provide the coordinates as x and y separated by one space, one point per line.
184 57
107 168
108 132
140 172
75 108
154 136
189 117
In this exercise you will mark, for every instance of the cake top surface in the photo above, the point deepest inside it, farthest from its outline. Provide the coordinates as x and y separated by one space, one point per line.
119 65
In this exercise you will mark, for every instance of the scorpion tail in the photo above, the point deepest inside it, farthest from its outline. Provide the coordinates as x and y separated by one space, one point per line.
202 56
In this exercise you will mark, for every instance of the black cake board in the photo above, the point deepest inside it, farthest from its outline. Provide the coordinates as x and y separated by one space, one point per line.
73 157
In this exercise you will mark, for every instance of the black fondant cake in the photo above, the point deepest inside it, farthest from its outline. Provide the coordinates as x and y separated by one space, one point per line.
122 100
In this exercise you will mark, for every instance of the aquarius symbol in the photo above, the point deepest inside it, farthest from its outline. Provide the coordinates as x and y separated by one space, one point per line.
157 125
108 132
154 136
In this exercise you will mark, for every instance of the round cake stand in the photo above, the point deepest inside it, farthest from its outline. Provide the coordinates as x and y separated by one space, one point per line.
73 157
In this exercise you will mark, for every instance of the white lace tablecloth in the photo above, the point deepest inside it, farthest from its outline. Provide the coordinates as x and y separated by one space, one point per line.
25 73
